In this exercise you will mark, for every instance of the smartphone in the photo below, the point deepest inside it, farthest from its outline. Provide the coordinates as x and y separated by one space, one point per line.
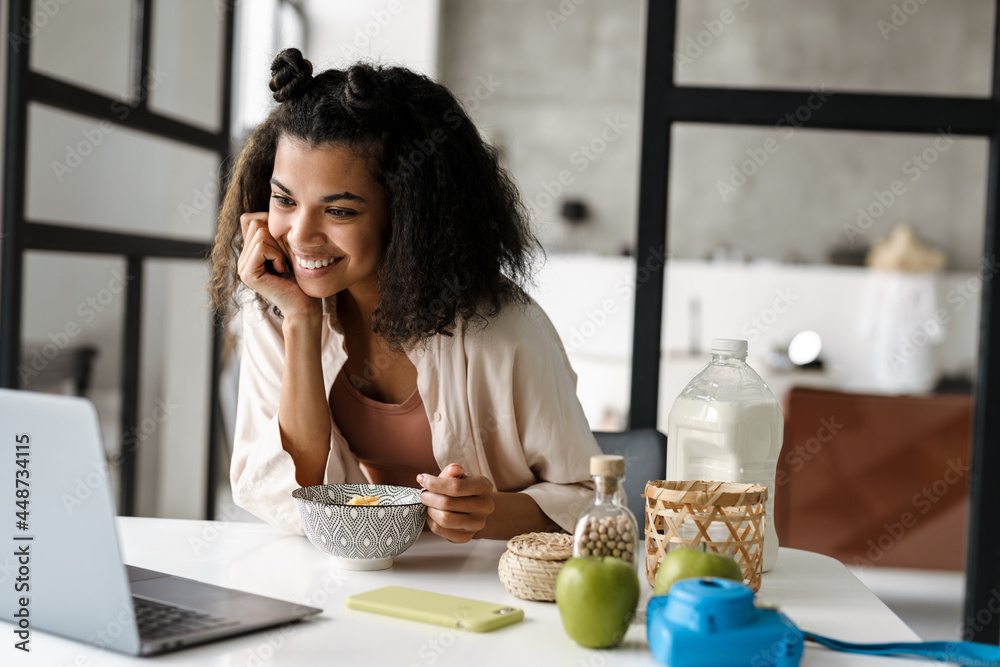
427 607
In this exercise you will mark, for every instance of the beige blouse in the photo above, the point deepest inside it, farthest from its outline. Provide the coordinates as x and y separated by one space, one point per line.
500 399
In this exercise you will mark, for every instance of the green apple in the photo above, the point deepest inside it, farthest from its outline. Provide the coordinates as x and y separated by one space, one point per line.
687 563
597 598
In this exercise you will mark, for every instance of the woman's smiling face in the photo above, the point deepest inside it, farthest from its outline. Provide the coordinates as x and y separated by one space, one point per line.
328 215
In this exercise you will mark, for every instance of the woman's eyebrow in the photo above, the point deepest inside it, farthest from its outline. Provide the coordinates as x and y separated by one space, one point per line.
350 196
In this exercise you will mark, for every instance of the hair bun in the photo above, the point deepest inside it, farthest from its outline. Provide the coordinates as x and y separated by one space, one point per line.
290 74
361 95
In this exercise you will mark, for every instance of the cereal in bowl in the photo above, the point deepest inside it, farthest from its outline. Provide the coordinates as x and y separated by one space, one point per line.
363 500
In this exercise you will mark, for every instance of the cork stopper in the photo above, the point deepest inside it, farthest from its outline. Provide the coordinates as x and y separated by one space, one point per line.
607 465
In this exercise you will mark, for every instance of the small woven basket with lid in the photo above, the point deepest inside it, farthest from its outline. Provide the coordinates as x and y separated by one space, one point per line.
694 514
529 567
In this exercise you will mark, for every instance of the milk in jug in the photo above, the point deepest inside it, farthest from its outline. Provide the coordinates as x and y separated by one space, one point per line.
726 426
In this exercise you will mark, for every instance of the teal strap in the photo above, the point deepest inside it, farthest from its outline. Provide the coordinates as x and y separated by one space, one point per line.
970 654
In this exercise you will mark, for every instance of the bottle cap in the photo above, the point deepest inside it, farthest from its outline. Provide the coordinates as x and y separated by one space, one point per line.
606 465
731 346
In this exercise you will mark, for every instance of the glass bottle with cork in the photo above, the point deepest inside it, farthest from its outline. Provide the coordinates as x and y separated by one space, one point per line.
607 527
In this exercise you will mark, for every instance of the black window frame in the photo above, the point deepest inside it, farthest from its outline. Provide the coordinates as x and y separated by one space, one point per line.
21 235
665 103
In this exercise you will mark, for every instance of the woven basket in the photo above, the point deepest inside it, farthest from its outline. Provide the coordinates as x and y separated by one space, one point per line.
529 567
695 513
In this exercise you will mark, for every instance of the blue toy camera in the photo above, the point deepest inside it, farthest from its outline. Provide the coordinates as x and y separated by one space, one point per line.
712 622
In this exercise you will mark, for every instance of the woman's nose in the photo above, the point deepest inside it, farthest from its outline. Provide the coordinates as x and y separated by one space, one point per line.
307 229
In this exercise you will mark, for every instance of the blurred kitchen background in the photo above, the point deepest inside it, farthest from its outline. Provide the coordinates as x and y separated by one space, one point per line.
769 227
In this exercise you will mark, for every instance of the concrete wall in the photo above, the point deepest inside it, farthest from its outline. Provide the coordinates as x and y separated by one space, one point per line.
561 98
562 70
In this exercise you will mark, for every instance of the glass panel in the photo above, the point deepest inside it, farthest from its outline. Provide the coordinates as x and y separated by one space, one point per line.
292 28
88 44
769 232
585 155
568 131
90 173
338 34
578 52
188 51
758 217
176 375
794 195
595 325
256 37
898 46
398 32
72 303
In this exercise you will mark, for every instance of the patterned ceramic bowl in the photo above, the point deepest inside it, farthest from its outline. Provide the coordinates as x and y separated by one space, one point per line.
361 537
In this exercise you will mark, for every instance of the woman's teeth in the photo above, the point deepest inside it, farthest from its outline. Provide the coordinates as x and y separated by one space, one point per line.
313 263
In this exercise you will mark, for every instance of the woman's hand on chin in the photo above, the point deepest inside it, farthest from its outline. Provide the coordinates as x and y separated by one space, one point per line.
276 282
457 506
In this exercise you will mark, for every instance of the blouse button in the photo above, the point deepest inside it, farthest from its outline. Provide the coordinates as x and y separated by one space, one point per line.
438 416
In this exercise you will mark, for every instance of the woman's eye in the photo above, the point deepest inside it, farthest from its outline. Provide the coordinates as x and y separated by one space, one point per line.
283 201
339 213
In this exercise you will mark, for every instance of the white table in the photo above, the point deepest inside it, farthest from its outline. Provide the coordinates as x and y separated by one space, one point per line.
816 592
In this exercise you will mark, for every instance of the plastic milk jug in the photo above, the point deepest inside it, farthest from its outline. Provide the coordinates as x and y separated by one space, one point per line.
726 426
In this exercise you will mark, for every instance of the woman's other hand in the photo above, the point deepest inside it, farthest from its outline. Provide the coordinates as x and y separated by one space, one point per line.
457 506
278 285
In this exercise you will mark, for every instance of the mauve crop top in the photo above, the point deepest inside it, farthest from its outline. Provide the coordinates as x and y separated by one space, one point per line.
392 441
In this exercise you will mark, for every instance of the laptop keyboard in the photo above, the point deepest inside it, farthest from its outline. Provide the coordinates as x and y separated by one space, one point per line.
157 620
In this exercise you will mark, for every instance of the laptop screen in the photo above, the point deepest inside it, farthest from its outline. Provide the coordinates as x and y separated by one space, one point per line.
63 555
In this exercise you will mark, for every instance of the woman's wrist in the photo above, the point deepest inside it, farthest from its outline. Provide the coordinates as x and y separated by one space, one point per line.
515 513
302 323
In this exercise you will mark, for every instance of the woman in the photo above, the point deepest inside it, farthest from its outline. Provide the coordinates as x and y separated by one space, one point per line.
394 342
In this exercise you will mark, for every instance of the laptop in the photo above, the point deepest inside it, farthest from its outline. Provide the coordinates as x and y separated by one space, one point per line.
60 525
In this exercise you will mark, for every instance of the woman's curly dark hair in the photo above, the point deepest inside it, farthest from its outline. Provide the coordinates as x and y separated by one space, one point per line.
460 245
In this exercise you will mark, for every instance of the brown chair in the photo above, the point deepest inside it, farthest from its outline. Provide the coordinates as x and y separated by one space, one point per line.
876 480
